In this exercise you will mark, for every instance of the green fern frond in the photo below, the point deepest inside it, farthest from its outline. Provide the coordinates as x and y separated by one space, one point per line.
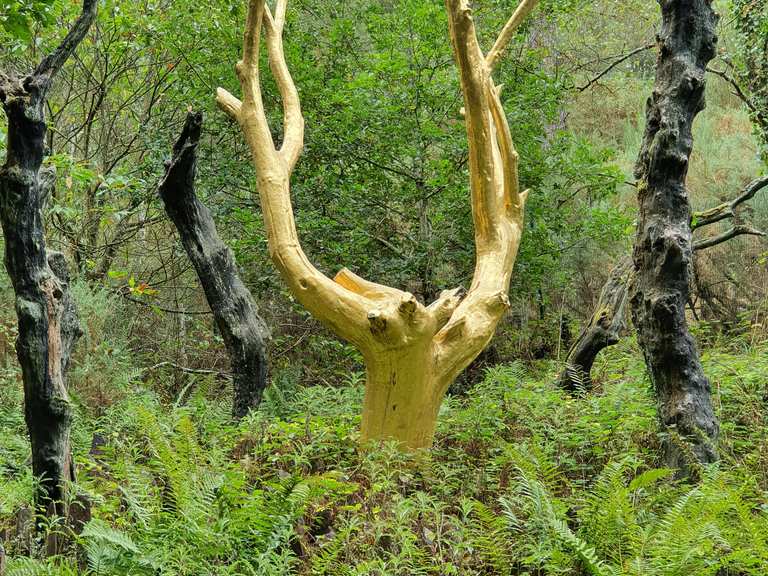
649 478
27 567
326 561
586 553
99 530
490 537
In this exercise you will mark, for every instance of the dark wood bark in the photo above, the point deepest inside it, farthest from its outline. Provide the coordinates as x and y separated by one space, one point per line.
232 304
48 326
603 329
608 321
663 246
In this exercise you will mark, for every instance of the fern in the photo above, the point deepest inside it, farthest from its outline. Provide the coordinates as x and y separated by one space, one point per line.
649 478
27 567
491 537
326 561
579 378
586 554
101 531
608 516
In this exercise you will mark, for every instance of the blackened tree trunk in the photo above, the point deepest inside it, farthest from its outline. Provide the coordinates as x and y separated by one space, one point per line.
608 321
233 306
663 246
48 327
604 329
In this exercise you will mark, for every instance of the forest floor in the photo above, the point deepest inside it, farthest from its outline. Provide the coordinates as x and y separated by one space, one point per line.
523 479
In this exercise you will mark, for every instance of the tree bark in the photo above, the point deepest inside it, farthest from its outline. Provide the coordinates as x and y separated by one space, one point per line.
604 329
402 398
663 247
232 304
48 326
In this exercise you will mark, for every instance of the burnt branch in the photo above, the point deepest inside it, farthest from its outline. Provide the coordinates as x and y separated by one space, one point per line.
234 308
739 230
43 75
728 209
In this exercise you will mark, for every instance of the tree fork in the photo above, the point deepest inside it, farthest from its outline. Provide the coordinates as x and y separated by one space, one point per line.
234 309
48 327
608 321
412 352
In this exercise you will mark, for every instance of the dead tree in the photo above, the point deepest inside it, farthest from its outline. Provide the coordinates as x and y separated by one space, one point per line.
412 352
48 328
663 247
603 329
609 320
232 304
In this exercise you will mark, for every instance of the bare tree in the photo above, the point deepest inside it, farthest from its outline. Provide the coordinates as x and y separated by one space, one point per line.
232 304
412 352
663 248
48 326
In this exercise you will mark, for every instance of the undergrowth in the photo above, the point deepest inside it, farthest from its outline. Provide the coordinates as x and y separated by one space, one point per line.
523 479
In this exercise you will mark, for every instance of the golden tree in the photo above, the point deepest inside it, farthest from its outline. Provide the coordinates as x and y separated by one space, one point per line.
412 352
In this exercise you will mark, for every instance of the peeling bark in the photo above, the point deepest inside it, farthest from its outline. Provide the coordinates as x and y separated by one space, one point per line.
663 246
232 304
48 327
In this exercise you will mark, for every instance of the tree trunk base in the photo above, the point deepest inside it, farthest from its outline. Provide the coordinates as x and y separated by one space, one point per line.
401 403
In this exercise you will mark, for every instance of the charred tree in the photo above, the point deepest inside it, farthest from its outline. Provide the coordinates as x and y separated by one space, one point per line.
604 329
609 320
48 327
663 247
233 306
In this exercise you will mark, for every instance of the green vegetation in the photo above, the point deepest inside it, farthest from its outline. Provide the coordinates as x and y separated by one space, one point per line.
524 479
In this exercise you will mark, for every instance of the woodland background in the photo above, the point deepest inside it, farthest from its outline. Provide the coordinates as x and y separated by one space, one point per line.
525 478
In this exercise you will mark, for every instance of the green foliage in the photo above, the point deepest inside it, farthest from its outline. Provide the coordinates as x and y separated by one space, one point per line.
18 17
523 480
751 61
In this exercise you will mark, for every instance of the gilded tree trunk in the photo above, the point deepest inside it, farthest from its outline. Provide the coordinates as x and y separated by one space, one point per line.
402 398
233 306
663 247
412 352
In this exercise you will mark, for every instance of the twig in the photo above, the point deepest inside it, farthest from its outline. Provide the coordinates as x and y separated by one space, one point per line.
739 92
728 209
725 236
162 309
624 58
187 369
